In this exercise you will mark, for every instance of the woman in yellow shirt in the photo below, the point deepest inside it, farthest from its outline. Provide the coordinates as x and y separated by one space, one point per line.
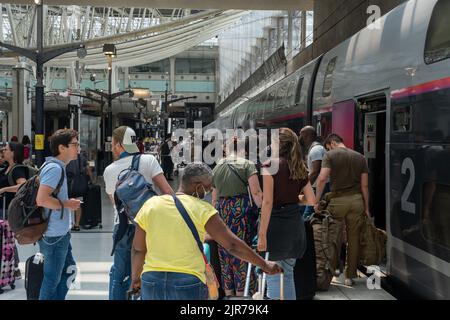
166 261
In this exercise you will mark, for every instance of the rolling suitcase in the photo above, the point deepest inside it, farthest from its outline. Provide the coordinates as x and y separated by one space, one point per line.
91 216
34 275
7 259
305 268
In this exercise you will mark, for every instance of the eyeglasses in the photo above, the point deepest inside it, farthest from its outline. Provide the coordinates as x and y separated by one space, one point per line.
76 144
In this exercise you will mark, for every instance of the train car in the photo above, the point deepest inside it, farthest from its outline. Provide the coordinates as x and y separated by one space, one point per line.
386 91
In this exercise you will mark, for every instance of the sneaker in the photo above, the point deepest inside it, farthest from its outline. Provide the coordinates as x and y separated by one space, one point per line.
17 274
349 282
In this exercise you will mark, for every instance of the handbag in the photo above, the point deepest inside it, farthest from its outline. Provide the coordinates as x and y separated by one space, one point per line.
211 279
78 183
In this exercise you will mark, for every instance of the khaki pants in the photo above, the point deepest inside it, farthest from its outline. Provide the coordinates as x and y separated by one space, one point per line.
350 209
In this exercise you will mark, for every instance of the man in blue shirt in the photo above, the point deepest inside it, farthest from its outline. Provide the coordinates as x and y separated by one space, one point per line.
59 264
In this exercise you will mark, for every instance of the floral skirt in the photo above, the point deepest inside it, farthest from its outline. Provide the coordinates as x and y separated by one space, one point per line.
241 219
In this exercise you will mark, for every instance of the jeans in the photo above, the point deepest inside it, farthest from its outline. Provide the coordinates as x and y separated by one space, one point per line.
59 267
172 286
120 273
273 281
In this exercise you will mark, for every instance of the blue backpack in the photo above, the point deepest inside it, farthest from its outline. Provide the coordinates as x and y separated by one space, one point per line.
132 189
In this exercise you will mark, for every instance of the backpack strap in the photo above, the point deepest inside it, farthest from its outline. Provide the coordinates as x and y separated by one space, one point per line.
233 169
10 174
58 187
135 162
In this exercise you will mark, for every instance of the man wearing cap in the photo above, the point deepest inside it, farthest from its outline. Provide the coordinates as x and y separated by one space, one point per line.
123 147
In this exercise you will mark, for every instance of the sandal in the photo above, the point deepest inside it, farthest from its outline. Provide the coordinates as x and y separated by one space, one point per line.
76 228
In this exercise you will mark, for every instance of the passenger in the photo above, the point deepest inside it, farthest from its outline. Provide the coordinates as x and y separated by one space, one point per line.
231 178
285 240
166 261
314 155
140 144
10 181
166 159
75 168
349 178
27 148
55 243
123 147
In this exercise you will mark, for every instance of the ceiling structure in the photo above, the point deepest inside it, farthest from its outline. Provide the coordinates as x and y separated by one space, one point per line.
195 4
141 35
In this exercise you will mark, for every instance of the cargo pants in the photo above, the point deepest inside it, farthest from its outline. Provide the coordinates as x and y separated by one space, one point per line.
349 208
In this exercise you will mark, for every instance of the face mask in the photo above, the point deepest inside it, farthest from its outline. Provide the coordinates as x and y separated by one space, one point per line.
204 192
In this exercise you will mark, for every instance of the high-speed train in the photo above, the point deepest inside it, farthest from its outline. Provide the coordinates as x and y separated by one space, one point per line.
386 91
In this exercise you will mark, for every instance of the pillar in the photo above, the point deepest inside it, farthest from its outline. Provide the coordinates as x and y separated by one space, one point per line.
172 74
21 102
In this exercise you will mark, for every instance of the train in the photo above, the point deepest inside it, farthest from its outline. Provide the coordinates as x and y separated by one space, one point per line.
386 91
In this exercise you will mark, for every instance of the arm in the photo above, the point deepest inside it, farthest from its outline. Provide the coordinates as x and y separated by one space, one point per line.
309 195
235 246
162 184
266 212
321 181
14 188
45 199
255 189
365 191
214 197
314 171
138 252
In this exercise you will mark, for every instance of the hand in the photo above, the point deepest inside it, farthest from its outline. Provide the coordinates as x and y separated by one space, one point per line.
316 207
2 190
301 198
262 243
368 214
72 204
271 268
135 284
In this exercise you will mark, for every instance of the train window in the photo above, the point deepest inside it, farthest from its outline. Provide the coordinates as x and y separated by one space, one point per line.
437 46
402 119
299 91
328 80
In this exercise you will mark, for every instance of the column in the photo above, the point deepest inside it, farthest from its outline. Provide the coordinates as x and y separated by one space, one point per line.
21 103
303 31
126 77
289 39
172 74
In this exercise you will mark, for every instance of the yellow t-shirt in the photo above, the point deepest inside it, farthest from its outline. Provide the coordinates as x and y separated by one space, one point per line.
171 247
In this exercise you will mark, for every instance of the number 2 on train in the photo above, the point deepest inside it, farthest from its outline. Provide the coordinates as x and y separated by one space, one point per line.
408 206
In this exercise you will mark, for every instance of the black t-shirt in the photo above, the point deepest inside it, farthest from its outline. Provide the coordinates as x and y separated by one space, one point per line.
17 173
73 167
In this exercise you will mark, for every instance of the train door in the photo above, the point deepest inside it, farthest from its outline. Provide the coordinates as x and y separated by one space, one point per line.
370 140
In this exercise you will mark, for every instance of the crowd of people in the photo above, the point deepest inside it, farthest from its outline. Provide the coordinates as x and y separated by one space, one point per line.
157 253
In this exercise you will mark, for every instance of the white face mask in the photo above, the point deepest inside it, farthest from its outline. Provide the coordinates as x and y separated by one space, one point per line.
204 192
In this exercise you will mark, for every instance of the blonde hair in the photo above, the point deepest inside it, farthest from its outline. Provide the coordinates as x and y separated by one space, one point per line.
290 150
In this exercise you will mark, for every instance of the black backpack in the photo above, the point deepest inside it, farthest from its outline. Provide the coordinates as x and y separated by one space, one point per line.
25 218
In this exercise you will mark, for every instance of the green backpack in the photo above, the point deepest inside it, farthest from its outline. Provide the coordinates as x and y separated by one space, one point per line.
372 244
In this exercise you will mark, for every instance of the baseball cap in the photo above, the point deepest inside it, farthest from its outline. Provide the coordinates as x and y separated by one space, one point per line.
127 138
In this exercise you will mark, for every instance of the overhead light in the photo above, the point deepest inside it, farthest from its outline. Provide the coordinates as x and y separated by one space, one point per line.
38 2
141 93
109 49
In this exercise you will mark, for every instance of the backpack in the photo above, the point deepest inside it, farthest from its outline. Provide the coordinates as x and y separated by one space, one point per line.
26 219
372 244
132 189
327 243
30 171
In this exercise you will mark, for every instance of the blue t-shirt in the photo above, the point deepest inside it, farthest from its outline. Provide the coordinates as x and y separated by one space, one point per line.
50 176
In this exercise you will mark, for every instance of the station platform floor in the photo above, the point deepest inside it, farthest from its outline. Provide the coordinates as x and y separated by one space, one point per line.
92 248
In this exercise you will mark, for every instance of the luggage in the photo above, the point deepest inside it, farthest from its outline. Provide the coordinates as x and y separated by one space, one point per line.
305 268
7 259
372 247
34 275
91 216
327 244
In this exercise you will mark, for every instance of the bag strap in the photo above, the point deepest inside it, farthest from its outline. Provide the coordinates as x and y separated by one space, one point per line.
190 224
233 169
135 162
58 187
10 173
